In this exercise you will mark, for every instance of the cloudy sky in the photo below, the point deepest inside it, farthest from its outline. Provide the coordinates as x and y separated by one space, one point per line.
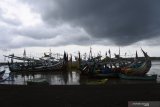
77 24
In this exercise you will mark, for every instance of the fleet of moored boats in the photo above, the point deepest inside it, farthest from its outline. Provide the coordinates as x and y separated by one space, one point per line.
136 68
96 67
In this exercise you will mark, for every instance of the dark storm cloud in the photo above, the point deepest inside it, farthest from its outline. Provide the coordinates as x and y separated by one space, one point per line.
122 21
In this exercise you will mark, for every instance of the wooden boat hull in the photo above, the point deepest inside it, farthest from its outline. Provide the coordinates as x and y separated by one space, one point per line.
108 75
56 67
34 70
145 77
141 70
136 68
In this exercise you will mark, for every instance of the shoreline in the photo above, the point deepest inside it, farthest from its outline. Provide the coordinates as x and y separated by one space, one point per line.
111 95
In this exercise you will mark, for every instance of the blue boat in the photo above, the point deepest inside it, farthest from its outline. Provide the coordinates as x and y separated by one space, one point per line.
101 72
133 77
108 75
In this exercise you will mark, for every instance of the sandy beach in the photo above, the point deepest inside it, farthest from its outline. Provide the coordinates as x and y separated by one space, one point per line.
77 95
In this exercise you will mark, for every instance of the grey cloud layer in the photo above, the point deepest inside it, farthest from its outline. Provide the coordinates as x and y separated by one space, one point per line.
122 21
84 22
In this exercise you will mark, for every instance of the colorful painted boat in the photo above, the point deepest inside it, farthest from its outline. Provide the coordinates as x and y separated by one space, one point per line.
108 75
144 77
138 67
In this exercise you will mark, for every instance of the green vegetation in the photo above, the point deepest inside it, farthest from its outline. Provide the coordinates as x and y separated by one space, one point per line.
96 82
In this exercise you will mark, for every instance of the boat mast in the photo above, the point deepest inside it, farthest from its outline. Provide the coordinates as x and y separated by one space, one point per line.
110 58
90 53
24 53
119 52
24 56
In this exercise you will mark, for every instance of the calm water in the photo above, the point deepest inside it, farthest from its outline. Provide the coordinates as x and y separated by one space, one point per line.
73 77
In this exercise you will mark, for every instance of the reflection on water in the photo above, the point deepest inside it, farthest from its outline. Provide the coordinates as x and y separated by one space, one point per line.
155 69
71 78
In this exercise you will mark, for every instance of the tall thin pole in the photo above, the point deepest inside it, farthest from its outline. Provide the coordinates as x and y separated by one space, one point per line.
110 57
90 53
119 52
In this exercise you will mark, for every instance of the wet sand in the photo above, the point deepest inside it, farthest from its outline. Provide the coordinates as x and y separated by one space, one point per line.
77 96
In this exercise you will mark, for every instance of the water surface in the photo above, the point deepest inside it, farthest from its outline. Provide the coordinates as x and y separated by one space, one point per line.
72 77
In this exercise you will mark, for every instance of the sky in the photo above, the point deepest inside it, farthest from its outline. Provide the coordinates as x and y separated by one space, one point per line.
75 25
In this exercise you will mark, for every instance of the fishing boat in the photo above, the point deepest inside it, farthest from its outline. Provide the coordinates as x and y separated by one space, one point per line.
105 72
37 81
1 76
43 64
144 77
35 68
99 69
2 73
139 67
108 75
7 78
